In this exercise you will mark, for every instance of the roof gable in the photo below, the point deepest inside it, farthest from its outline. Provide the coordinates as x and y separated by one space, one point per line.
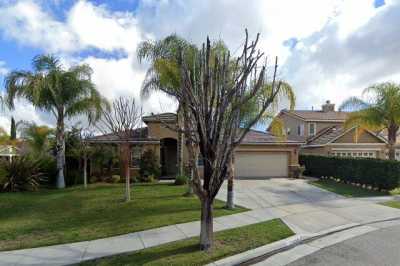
309 115
340 135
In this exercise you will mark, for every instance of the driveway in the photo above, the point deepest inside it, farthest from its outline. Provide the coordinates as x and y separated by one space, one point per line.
305 208
274 192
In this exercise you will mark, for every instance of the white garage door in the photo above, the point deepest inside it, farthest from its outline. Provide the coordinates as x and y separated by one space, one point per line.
261 164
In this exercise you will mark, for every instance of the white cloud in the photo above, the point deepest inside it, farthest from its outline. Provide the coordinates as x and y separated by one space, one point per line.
3 68
342 45
330 65
27 23
97 27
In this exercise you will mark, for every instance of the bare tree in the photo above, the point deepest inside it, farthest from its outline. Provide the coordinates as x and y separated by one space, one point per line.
215 89
122 119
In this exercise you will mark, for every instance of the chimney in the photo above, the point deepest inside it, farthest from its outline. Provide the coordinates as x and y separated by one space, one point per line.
328 107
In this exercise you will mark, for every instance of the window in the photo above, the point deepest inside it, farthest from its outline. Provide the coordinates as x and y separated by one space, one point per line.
288 131
136 155
312 129
300 130
356 154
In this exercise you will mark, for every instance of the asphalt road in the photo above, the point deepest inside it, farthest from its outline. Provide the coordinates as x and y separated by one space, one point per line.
378 248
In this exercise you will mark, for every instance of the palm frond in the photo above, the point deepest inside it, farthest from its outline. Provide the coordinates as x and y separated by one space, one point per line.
47 62
353 104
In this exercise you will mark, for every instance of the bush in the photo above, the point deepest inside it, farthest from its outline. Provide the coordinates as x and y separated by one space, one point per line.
146 179
93 179
114 179
21 174
395 191
149 165
181 180
382 174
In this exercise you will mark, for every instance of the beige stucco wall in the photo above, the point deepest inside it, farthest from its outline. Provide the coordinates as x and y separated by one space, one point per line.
363 137
292 123
159 131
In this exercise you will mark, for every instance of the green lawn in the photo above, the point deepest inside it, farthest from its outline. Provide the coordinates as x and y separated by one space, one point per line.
61 216
345 189
186 252
393 204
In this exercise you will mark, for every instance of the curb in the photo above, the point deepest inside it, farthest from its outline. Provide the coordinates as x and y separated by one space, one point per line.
264 252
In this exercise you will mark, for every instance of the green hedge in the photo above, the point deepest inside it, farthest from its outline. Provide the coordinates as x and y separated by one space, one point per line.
382 174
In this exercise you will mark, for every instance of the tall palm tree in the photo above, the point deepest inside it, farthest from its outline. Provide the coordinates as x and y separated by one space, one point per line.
63 93
377 110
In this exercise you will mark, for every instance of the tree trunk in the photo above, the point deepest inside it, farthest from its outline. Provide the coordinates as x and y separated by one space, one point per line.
392 134
85 171
206 230
60 151
125 155
230 202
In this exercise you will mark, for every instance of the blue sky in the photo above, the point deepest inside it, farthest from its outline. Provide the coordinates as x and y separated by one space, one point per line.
328 49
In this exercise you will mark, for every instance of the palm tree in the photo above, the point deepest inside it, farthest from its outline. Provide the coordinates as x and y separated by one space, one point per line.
163 55
378 110
63 93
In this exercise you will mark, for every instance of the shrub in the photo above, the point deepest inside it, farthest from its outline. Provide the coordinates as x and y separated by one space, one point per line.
21 174
93 179
181 180
146 179
149 165
114 179
382 174
395 191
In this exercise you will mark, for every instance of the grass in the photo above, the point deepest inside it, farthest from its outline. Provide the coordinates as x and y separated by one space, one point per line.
393 204
51 217
346 190
186 252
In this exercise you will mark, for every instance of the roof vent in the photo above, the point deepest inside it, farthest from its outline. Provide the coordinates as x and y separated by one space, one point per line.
328 107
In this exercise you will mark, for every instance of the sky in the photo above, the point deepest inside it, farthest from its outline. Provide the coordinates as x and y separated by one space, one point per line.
327 49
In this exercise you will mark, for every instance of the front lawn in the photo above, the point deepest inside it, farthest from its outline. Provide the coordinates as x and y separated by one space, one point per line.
75 214
346 190
186 252
393 204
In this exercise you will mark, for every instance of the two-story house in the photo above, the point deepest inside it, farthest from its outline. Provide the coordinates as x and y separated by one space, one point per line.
322 133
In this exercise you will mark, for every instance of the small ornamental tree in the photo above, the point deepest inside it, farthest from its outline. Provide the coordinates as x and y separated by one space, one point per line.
214 90
122 119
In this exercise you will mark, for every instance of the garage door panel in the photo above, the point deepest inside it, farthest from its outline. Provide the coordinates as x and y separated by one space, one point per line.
261 164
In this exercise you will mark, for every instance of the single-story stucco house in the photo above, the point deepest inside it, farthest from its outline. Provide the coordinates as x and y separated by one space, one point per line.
260 155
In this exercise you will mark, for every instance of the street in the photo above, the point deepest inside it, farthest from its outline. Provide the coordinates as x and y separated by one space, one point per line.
377 248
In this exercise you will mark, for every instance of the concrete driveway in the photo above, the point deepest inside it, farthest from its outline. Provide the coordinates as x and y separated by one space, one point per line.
306 209
274 192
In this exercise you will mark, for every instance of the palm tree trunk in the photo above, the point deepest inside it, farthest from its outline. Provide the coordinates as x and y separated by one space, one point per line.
60 150
392 135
